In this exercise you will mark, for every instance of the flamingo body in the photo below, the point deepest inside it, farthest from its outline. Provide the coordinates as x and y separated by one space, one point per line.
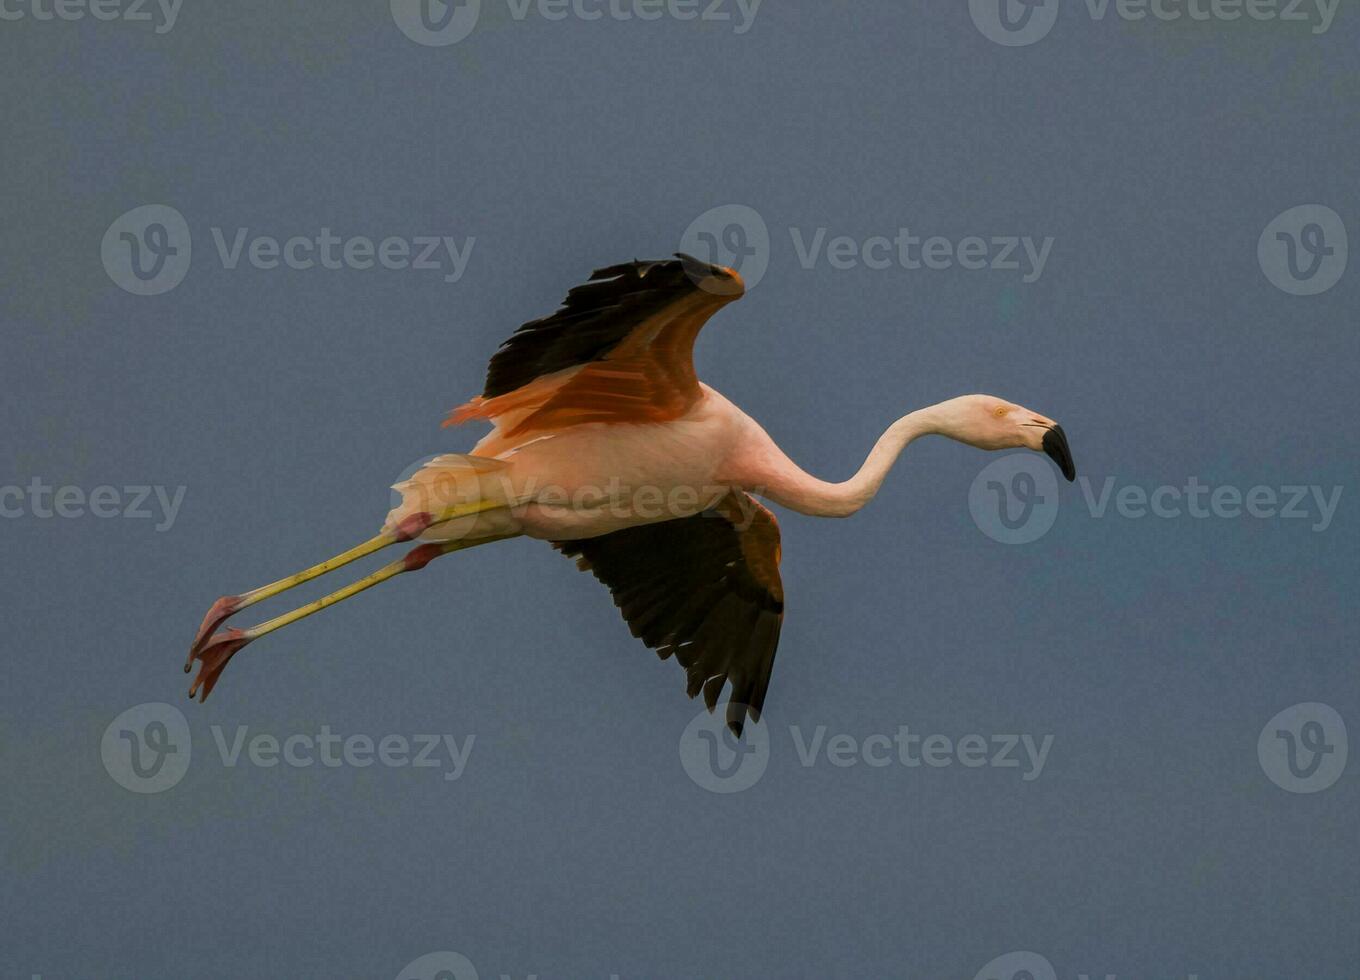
596 478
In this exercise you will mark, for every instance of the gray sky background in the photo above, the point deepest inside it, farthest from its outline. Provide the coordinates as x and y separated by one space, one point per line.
1154 841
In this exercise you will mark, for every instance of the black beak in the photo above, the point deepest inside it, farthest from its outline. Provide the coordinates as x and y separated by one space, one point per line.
1055 445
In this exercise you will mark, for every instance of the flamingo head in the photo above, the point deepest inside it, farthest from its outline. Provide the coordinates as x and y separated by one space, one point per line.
988 422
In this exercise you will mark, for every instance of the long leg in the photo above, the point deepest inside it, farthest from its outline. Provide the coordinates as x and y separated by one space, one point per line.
217 651
410 528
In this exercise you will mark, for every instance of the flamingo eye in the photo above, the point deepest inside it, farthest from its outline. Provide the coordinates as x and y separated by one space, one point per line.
1001 411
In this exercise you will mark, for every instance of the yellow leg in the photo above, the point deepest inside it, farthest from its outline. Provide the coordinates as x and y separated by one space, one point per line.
412 527
223 646
418 558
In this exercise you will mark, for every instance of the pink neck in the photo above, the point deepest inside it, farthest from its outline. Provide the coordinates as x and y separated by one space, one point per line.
781 480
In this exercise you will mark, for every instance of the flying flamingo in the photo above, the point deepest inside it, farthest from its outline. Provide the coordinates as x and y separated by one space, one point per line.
605 444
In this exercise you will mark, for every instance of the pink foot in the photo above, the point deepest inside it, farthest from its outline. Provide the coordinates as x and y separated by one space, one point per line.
215 654
217 615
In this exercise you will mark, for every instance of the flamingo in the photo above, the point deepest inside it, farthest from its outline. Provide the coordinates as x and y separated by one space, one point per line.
605 444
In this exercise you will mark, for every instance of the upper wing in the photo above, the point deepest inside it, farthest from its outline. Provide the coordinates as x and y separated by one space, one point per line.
620 349
705 588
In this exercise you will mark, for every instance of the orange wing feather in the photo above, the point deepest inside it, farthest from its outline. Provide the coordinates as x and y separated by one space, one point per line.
619 350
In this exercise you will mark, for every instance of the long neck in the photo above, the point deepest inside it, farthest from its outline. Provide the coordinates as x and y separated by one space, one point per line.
781 480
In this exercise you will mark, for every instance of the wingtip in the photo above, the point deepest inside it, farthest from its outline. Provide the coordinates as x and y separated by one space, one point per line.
720 280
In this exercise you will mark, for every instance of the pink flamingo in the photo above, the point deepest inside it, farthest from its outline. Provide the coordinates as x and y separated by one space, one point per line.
606 444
